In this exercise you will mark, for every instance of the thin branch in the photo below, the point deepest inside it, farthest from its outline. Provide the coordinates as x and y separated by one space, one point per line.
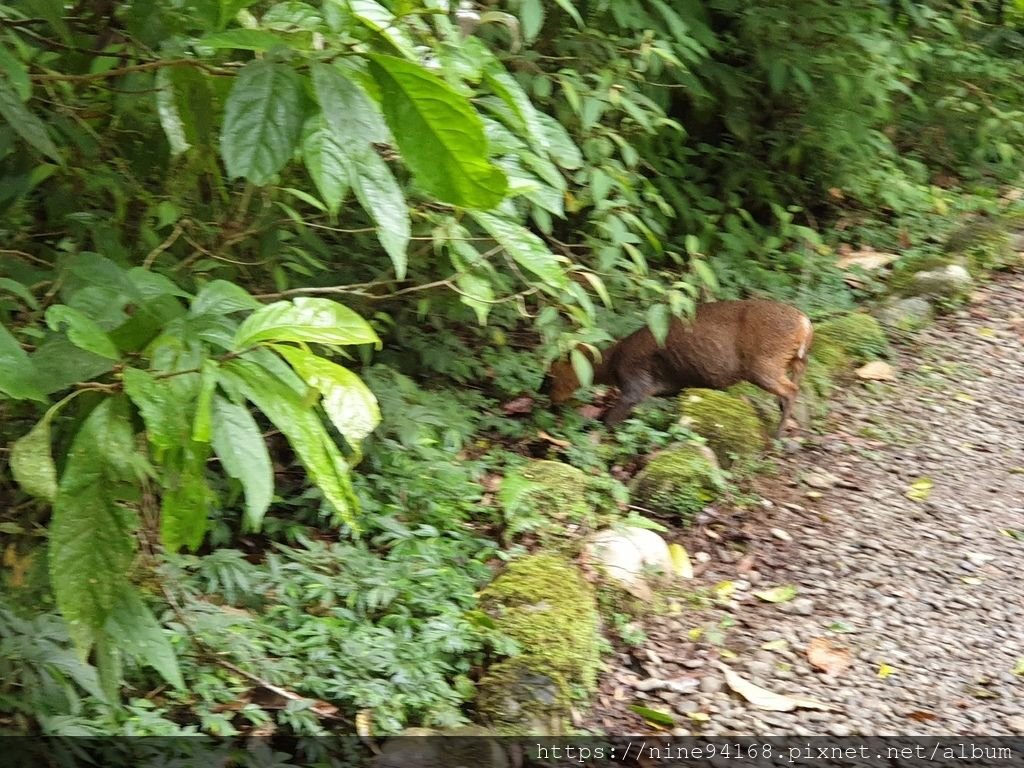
151 257
144 67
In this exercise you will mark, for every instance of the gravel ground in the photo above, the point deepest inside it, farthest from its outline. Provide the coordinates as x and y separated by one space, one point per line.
925 596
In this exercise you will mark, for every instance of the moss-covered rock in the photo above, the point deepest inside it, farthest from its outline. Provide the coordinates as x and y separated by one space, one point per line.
546 498
857 335
728 423
544 604
679 481
983 245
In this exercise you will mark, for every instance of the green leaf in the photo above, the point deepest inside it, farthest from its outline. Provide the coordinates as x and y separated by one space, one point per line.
305 319
161 406
242 40
440 135
18 374
582 366
187 499
262 121
19 290
324 152
91 534
16 73
569 8
653 716
240 447
507 88
32 461
780 594
138 633
658 319
202 423
167 109
531 16
563 149
526 249
704 272
381 197
290 413
219 297
25 124
347 401
353 123
82 330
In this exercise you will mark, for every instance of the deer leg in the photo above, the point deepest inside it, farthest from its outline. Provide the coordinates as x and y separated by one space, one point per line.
639 388
784 389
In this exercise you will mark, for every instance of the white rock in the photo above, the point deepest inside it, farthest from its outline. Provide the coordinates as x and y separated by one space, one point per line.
625 554
949 280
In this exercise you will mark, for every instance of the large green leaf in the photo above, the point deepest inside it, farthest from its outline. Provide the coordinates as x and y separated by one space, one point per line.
526 249
440 135
262 120
508 89
32 461
187 499
18 375
475 289
220 297
381 197
83 331
352 123
290 413
348 402
305 320
325 152
136 631
162 408
25 124
241 449
91 534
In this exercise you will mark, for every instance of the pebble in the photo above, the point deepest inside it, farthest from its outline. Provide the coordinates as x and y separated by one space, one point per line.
711 684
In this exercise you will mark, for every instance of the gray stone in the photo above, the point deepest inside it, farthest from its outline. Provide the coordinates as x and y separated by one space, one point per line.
945 282
711 684
906 314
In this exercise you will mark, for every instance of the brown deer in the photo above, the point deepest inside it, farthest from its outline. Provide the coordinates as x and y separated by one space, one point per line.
763 342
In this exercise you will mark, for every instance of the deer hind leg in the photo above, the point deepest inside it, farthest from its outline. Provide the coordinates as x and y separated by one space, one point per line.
776 382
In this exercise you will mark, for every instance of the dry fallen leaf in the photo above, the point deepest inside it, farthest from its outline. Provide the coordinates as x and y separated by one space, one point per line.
553 440
591 411
884 671
827 657
921 716
867 259
518 406
680 561
767 700
876 370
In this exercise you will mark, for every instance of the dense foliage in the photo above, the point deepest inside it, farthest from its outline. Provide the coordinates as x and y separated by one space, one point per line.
269 269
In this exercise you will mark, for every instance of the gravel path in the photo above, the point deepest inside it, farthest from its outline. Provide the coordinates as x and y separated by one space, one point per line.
926 596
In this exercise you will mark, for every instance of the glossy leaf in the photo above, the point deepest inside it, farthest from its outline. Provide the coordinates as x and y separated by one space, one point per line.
219 297
324 152
242 451
243 40
82 330
305 320
381 197
161 407
348 402
291 414
262 119
525 248
439 134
